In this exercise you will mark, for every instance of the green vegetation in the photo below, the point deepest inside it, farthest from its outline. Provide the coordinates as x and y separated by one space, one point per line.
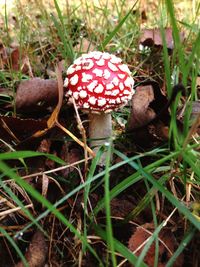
84 212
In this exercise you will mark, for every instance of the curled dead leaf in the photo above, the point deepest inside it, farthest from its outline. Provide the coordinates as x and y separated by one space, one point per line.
14 130
141 113
36 92
153 37
37 251
167 245
121 207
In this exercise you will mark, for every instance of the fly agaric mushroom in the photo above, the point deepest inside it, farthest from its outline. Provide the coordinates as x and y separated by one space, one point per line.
99 83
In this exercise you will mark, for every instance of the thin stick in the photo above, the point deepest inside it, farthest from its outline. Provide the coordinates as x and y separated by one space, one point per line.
89 150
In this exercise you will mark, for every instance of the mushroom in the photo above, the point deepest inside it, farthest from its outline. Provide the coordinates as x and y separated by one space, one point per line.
99 83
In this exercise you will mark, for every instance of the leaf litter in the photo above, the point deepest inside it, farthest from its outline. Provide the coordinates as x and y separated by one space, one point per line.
36 126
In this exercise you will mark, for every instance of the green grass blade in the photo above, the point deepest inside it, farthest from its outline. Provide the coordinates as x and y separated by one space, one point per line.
119 247
51 208
87 188
63 34
15 246
176 36
109 231
29 154
116 29
176 203
129 181
186 240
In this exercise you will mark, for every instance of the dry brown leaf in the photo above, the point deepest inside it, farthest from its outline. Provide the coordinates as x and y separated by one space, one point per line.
70 155
84 46
3 56
45 185
153 37
37 251
36 92
167 245
141 113
195 109
53 119
13 130
121 207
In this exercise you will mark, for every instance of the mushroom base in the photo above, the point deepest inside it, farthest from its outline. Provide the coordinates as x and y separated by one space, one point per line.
100 132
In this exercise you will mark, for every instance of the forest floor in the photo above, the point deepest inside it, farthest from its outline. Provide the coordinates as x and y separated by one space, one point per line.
58 207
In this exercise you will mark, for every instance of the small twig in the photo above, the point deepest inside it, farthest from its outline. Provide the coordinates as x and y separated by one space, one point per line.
6 212
83 133
49 171
53 119
89 150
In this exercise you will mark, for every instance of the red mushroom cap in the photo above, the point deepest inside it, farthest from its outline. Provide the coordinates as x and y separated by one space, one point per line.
99 82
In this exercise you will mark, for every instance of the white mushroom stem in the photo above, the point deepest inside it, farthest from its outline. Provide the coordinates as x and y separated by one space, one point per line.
100 132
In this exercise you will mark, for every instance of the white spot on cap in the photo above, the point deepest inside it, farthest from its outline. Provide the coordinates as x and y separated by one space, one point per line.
118 100
85 56
83 94
108 92
74 79
129 97
96 54
86 105
121 86
66 82
109 86
115 59
106 74
71 70
101 102
78 68
101 62
127 92
88 64
129 82
92 85
115 81
99 89
98 72
121 76
112 66
86 77
124 67
78 61
124 99
69 93
92 100
79 88
106 55
115 92
112 101
76 95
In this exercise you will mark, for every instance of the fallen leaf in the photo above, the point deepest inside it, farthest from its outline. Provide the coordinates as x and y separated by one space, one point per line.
195 109
37 251
69 155
84 46
141 113
153 37
198 82
15 59
147 103
45 185
167 245
3 56
120 207
36 92
14 130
